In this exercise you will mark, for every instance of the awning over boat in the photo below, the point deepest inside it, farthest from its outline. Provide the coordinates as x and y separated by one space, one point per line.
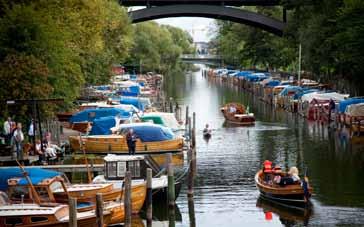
36 176
122 158
148 132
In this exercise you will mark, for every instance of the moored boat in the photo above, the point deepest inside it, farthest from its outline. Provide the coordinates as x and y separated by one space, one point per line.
151 139
236 113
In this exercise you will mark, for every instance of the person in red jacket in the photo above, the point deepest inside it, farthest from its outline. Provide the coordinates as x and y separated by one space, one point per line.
267 170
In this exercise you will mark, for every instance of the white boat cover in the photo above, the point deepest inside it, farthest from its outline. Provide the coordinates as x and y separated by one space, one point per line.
355 110
324 96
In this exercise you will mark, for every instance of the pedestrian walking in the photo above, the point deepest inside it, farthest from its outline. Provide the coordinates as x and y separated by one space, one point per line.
131 141
18 138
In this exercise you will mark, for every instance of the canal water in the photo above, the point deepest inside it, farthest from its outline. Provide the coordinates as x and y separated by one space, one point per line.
225 192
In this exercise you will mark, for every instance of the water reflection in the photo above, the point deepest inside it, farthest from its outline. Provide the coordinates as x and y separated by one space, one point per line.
288 216
225 192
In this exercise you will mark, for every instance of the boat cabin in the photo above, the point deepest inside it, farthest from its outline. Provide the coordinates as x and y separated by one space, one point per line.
117 165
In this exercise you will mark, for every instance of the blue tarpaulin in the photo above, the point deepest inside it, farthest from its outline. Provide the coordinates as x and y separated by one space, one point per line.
36 176
102 87
255 77
343 104
131 91
273 83
92 114
137 102
303 92
287 90
102 126
148 132
243 73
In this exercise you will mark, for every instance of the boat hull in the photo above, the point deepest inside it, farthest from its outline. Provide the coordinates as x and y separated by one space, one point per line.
289 194
118 145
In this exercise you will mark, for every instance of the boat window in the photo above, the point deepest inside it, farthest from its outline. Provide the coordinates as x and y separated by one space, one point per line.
56 186
43 194
16 193
134 168
111 169
13 221
39 219
121 169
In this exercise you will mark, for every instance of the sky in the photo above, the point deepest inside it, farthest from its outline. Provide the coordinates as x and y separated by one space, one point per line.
201 29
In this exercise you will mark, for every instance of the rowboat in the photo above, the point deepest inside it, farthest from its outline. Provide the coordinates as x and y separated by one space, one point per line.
117 144
236 113
56 215
288 194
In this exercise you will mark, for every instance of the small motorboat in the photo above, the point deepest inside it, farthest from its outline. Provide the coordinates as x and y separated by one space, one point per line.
236 113
291 194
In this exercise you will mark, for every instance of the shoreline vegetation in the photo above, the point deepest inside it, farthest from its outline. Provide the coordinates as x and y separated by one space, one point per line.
53 49
329 31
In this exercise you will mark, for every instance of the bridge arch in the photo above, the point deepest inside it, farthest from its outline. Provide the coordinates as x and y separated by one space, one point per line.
210 11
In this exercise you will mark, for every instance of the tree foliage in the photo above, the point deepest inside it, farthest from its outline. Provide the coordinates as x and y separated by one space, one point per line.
331 33
158 47
63 43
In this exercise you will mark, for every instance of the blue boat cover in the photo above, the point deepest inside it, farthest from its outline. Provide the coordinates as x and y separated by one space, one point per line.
141 104
101 126
102 87
298 95
148 132
255 77
273 83
95 113
243 73
288 89
343 104
36 176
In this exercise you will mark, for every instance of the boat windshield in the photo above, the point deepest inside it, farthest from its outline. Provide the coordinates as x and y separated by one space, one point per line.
56 186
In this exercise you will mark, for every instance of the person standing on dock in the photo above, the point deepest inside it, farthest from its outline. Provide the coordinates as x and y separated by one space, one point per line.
8 130
31 135
18 138
131 141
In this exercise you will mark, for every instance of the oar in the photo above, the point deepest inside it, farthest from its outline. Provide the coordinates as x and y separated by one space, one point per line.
34 192
82 147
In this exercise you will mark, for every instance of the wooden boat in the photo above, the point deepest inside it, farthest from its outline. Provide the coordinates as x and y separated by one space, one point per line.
56 215
289 194
235 113
54 189
105 144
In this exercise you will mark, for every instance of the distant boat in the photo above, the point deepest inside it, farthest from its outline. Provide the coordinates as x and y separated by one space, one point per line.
236 113
288 194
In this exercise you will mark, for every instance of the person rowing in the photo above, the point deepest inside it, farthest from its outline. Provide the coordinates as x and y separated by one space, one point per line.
207 131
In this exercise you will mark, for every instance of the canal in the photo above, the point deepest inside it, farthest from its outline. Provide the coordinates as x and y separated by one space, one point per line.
225 192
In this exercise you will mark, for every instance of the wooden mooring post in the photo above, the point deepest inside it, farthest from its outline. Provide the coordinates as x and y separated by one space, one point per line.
72 203
99 210
186 121
149 198
171 191
171 104
127 199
